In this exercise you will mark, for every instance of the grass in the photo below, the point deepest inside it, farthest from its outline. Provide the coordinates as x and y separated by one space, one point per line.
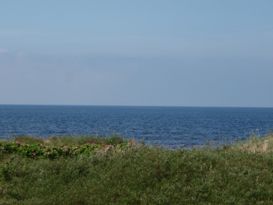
115 171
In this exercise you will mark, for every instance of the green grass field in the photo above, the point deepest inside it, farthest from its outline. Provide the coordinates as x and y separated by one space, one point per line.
113 171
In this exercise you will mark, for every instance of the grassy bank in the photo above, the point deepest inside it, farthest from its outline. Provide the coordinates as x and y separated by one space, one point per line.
113 171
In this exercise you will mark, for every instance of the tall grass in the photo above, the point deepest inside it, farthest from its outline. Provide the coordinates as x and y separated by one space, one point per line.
137 174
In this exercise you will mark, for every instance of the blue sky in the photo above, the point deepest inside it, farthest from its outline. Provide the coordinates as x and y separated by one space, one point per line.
181 53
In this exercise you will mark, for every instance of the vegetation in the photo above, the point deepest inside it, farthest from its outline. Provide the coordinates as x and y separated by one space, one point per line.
115 171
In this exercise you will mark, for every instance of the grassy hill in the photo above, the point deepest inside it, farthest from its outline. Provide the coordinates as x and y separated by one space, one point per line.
114 171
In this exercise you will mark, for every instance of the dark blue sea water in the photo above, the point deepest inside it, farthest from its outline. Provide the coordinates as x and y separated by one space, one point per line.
167 126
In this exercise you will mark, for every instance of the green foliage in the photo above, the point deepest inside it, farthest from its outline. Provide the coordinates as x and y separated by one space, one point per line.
128 173
60 147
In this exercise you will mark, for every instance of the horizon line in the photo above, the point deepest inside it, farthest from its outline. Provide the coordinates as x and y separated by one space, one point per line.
120 105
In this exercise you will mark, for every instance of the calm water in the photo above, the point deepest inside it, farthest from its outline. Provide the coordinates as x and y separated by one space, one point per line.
167 126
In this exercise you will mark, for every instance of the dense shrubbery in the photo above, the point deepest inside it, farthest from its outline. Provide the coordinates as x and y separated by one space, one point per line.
128 173
61 147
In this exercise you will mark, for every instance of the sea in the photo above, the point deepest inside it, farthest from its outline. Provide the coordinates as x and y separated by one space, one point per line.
172 127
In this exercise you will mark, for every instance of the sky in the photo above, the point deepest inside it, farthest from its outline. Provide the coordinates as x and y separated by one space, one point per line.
144 52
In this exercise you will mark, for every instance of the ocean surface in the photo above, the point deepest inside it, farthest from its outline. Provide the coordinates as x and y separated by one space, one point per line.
166 126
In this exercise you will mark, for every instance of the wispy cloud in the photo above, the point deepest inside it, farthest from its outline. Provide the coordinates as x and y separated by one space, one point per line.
3 51
20 32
